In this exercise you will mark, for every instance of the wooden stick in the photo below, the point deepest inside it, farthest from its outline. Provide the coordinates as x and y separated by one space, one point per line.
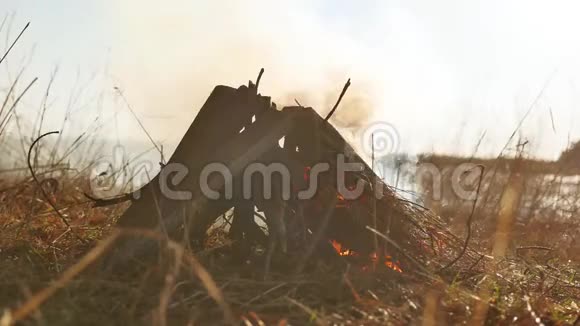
318 235
378 252
346 86
259 78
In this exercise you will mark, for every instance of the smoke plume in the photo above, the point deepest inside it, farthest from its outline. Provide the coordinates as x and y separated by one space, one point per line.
170 56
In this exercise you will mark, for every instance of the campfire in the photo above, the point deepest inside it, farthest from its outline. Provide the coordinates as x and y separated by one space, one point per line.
256 133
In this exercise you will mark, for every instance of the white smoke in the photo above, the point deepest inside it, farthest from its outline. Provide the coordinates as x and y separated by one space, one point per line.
170 56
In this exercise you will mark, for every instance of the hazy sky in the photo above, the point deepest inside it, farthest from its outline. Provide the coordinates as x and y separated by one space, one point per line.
442 72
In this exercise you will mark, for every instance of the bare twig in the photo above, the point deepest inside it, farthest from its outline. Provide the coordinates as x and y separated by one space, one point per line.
517 128
318 235
346 86
530 108
44 194
14 43
8 115
259 78
552 120
534 248
3 22
265 293
314 317
103 202
374 204
347 281
476 148
138 120
413 203
9 93
468 223
43 109
396 245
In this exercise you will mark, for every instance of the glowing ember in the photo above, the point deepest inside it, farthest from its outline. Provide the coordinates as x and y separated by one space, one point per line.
307 173
389 263
342 252
341 201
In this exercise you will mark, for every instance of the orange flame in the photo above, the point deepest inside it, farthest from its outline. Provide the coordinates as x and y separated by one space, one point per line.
388 261
342 252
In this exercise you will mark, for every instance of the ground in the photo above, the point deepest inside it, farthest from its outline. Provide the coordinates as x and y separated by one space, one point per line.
531 285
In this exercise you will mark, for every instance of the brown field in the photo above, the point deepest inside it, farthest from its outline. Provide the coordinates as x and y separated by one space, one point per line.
532 279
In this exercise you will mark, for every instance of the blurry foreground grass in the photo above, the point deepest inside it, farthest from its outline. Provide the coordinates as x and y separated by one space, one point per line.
530 284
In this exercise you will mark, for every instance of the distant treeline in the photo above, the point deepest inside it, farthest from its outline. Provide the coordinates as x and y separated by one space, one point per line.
567 164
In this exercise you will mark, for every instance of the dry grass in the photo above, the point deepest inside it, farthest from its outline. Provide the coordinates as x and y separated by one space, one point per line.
40 250
526 217
532 278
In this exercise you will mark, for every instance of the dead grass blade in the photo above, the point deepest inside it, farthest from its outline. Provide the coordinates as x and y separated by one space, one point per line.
12 317
40 297
196 268
42 190
8 115
14 43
